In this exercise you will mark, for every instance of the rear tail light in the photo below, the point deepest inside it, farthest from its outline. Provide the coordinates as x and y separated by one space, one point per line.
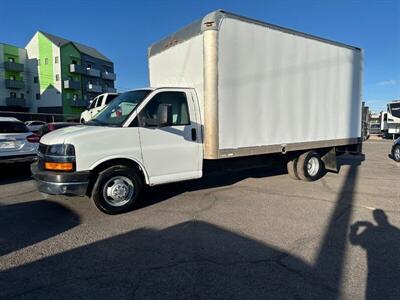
33 138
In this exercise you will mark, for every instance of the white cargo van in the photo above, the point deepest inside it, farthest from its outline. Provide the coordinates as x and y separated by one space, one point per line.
225 86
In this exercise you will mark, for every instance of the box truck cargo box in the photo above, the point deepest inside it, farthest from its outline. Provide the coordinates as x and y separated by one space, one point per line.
263 88
225 86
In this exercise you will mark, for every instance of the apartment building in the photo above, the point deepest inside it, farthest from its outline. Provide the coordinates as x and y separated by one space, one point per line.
66 75
13 74
52 75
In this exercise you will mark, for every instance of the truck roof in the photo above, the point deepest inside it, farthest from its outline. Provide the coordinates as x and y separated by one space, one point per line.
212 21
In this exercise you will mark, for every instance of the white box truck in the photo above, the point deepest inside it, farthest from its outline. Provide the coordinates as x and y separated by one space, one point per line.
225 86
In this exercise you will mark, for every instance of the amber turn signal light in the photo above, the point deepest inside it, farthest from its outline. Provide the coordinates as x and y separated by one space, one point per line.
56 166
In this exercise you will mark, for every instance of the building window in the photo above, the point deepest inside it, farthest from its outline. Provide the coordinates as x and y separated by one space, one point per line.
35 79
46 61
12 77
57 77
56 60
13 95
89 66
68 95
22 96
74 62
11 59
75 97
37 96
38 61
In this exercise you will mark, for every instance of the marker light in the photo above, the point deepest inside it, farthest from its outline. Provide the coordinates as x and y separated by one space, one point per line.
59 166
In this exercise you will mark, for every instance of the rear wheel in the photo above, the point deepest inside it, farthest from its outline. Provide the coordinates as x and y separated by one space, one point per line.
396 153
309 166
117 189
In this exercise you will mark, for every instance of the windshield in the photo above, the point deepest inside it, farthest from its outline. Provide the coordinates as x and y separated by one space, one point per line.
394 109
119 109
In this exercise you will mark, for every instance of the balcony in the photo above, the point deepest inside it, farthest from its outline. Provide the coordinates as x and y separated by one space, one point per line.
78 103
15 84
13 66
94 88
12 101
109 90
78 69
108 76
93 72
72 84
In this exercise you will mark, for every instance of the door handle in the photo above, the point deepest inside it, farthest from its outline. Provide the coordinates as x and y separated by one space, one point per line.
194 134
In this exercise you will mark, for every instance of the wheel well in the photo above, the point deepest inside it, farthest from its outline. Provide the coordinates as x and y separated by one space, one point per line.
109 163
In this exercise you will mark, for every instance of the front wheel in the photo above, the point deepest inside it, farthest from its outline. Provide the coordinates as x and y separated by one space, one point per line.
396 153
117 189
82 121
310 166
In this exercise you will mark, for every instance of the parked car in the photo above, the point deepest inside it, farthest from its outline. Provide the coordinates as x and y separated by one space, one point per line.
96 105
17 143
396 150
54 126
34 126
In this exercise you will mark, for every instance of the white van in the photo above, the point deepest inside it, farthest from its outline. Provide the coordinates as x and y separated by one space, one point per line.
225 86
97 104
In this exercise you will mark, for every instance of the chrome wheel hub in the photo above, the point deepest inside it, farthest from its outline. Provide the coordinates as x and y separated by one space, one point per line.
313 166
397 153
118 190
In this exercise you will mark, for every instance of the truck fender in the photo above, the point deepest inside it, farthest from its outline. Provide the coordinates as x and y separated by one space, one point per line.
106 159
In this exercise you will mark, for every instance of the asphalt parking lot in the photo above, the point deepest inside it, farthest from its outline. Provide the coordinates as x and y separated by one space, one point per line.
248 234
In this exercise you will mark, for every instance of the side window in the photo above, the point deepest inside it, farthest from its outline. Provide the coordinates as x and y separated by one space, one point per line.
99 101
180 112
93 104
110 97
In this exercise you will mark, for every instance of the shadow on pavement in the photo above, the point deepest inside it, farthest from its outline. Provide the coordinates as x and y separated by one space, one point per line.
218 174
193 259
14 172
382 245
27 223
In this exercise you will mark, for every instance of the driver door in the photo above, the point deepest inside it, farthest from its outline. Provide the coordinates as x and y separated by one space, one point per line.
171 153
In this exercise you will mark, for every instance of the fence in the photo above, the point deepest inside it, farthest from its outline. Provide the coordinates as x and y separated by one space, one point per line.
46 117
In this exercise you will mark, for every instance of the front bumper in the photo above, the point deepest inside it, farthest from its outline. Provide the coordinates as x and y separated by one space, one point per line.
60 183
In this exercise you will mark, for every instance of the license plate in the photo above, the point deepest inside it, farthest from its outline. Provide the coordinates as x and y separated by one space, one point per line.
8 145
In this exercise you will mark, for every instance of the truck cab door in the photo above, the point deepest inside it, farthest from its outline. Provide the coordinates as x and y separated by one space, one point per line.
171 153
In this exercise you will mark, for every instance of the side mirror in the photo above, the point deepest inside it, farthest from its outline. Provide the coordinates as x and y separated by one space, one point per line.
164 115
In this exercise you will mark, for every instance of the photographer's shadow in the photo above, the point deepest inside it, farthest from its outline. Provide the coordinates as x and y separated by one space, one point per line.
382 244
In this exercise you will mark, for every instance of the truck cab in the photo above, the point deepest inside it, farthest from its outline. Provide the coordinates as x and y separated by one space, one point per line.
96 105
147 136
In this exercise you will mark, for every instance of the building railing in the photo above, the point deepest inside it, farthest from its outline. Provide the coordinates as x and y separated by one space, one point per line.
14 84
14 101
13 66
72 84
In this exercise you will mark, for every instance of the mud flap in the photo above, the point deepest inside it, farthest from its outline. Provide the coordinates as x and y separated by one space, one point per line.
330 161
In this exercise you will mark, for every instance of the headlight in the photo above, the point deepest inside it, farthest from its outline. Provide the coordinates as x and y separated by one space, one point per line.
61 150
59 157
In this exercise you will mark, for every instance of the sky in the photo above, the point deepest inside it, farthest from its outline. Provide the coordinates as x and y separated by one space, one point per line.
123 30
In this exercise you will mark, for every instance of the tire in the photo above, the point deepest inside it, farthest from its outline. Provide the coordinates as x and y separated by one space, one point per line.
292 169
82 121
305 171
396 153
117 189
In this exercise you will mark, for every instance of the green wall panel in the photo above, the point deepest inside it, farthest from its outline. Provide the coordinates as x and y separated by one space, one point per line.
68 54
46 72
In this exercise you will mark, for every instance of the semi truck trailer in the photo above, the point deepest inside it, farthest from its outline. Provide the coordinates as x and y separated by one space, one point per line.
222 87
